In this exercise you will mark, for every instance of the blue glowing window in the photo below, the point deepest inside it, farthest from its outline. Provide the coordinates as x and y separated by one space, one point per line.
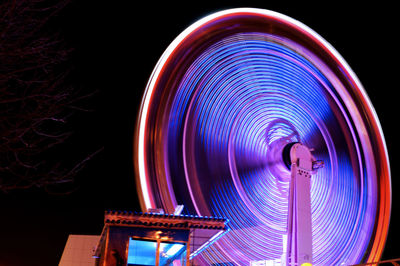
169 252
142 252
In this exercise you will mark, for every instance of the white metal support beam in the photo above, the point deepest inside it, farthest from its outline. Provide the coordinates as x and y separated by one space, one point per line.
299 241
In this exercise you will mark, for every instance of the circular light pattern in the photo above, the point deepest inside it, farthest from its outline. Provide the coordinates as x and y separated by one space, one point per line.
225 98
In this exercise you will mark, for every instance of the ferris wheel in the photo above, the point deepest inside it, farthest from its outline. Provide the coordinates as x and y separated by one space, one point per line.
251 115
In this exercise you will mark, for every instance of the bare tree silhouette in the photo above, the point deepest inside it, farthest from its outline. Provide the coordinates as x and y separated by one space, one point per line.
36 97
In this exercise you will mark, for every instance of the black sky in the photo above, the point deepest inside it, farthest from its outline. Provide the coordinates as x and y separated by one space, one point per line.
116 48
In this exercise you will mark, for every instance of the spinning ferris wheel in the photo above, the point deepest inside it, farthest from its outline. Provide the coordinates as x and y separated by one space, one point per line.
252 116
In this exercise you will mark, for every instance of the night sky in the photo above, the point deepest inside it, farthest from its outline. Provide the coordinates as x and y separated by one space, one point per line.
115 50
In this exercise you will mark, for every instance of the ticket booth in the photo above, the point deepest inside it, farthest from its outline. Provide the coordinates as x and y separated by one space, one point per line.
130 238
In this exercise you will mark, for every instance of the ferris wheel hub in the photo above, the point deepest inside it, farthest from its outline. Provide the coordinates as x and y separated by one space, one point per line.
277 159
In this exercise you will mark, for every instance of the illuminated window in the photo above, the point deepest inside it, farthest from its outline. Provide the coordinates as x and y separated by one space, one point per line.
144 252
169 252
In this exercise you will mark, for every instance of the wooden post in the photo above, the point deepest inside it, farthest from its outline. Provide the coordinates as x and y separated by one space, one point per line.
158 253
188 250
